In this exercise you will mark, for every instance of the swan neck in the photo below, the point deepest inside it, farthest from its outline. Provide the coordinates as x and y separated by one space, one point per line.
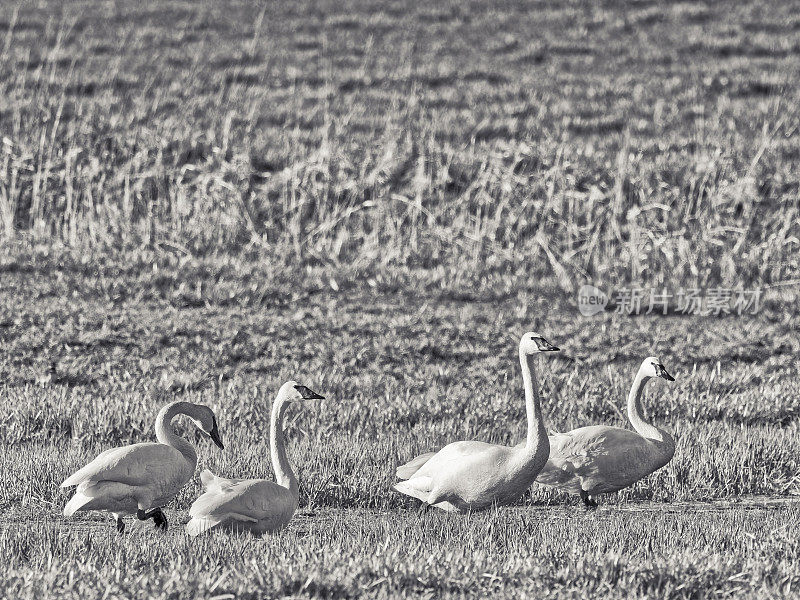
635 409
165 434
280 463
533 408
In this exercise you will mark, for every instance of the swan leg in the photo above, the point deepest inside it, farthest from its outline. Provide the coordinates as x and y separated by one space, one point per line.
588 501
156 514
120 523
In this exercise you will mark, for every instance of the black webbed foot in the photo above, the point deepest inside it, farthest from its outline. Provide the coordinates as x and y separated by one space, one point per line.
160 520
120 525
588 501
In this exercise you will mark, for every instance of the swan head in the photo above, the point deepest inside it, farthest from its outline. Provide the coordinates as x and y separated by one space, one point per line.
533 343
291 391
652 367
206 421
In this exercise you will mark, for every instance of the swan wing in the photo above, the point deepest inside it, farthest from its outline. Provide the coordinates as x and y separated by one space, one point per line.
603 458
427 469
137 464
470 474
460 456
248 499
558 471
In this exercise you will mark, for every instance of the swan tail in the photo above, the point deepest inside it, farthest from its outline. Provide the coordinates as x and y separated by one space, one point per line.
77 478
407 470
207 478
87 472
199 525
414 488
447 507
214 483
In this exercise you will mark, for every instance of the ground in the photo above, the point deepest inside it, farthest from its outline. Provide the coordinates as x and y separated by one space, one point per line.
202 200
402 373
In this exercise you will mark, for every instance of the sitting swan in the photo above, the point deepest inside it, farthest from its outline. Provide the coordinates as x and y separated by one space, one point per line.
257 505
600 459
470 475
141 478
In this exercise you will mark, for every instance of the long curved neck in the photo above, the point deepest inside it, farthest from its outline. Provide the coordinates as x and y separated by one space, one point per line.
166 435
635 410
277 446
533 409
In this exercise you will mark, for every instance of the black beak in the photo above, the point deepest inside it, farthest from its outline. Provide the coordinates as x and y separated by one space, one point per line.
215 437
307 393
545 346
662 372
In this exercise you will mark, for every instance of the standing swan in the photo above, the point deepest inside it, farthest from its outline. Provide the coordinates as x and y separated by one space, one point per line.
141 478
467 476
257 505
600 459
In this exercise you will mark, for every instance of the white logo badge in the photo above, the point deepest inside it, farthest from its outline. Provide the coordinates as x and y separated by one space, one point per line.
591 300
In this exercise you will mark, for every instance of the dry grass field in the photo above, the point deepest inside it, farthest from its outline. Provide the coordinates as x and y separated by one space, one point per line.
404 369
625 140
203 199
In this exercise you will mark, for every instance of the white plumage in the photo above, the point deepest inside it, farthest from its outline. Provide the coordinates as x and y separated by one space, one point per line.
600 459
256 505
141 478
473 475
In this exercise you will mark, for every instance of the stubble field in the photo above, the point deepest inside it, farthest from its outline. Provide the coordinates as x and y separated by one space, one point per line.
403 373
202 201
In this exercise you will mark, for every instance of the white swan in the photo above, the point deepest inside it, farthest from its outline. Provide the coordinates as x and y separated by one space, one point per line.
600 459
467 476
141 478
256 505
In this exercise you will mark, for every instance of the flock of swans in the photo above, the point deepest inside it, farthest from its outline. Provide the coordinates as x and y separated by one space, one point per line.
140 479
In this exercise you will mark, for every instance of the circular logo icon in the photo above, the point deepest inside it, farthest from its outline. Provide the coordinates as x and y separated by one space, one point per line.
591 300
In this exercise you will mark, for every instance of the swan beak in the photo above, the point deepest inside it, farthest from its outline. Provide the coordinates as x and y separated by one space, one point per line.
662 372
215 437
307 393
544 346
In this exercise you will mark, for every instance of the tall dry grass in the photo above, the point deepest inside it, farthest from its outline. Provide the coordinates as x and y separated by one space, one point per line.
203 138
